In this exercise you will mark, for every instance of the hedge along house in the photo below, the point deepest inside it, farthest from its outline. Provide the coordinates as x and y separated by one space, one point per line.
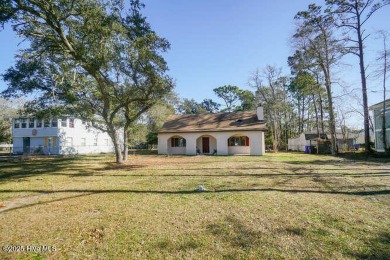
66 135
220 134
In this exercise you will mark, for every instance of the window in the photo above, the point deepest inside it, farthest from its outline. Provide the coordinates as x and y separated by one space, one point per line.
106 142
31 123
54 122
39 123
63 122
95 141
16 123
83 141
71 122
69 141
50 141
238 141
178 142
46 123
379 118
24 122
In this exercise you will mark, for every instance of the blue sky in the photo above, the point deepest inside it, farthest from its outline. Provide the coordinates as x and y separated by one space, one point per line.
220 42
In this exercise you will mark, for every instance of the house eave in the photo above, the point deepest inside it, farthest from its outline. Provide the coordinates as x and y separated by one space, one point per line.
212 131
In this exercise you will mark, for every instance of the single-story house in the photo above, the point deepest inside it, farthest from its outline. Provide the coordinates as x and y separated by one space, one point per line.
378 123
310 139
220 134
65 135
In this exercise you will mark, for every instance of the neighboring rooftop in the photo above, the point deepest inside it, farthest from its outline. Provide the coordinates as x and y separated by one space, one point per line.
380 104
246 120
310 136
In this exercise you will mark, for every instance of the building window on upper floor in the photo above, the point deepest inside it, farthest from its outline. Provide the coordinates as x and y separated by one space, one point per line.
83 141
238 141
31 123
54 122
24 122
39 123
17 123
178 142
46 123
71 122
379 120
69 141
64 122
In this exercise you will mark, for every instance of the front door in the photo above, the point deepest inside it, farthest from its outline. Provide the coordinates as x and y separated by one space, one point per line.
26 144
206 145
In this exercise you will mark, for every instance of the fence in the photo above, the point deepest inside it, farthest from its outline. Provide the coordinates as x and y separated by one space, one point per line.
323 148
70 150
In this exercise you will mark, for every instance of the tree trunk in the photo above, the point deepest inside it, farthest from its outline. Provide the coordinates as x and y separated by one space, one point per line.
125 143
275 142
320 105
387 150
316 113
299 115
332 127
303 113
117 147
367 146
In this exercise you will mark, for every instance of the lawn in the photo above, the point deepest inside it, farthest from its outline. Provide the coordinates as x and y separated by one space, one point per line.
284 205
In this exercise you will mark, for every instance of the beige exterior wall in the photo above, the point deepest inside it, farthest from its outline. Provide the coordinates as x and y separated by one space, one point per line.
217 139
239 150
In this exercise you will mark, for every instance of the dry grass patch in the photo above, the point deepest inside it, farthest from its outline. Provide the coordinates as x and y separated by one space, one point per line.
275 206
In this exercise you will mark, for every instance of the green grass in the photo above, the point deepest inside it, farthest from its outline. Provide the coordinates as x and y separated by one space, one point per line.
285 205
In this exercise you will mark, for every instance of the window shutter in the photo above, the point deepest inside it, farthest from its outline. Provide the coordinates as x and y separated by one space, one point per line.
172 142
246 141
46 141
54 141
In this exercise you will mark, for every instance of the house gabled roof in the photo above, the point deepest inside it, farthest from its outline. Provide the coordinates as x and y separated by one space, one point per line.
379 105
235 121
310 136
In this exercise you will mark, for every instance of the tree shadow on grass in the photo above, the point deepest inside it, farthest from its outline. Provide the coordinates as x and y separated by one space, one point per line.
236 233
87 192
379 248
18 169
347 162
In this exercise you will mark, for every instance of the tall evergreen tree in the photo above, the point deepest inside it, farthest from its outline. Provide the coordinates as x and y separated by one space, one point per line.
352 16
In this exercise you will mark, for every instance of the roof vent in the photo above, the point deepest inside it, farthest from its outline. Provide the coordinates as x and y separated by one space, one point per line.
239 121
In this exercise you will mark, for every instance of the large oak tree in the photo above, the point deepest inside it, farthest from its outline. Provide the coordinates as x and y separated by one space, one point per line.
94 59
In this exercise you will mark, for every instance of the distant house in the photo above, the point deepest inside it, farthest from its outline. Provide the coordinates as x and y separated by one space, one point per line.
220 134
67 135
311 138
377 113
304 139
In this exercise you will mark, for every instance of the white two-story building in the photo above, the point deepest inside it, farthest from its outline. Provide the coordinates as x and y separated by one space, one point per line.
377 111
66 135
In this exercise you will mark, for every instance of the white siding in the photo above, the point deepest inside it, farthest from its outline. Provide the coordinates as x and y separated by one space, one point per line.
256 142
77 134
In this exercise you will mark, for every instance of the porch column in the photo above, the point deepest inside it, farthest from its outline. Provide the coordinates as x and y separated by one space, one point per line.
222 145
256 142
190 144
163 144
